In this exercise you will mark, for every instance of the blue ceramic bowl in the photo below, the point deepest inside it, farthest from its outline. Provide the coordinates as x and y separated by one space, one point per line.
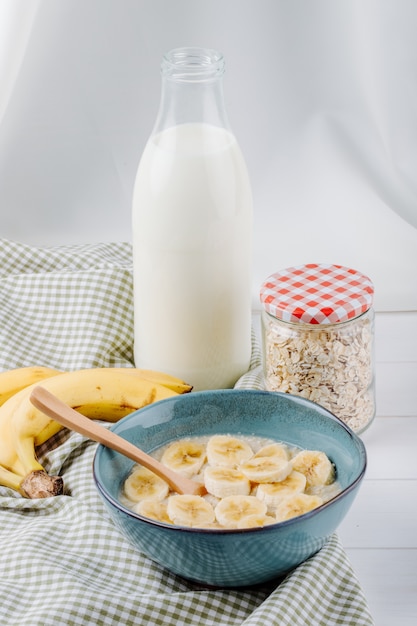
231 558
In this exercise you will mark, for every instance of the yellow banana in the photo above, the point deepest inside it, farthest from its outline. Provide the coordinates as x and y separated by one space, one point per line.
10 479
114 412
84 390
166 380
103 393
12 381
8 455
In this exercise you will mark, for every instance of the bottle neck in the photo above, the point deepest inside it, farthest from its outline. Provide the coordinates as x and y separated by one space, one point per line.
192 89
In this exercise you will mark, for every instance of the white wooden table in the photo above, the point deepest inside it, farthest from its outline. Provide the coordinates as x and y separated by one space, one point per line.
380 530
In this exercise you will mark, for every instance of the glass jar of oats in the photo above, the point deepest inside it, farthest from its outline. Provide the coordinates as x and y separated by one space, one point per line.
318 336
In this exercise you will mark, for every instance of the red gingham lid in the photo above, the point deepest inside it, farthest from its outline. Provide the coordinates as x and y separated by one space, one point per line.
317 294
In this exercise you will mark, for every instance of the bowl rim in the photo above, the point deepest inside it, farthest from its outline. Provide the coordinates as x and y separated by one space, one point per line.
118 505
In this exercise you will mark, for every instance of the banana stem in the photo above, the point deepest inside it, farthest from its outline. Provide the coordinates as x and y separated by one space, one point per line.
38 484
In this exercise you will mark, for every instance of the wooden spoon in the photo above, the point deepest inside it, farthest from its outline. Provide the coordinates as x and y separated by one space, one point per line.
52 406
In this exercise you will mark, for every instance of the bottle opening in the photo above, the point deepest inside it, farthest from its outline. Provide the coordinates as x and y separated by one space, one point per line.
193 64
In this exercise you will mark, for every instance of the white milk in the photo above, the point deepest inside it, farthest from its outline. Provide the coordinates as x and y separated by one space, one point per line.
192 234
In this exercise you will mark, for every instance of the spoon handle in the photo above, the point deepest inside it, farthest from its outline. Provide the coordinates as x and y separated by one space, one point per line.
52 406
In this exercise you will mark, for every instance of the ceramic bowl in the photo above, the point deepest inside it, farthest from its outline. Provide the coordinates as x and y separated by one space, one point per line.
233 558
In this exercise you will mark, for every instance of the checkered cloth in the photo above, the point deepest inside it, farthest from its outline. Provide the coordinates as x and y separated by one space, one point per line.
62 561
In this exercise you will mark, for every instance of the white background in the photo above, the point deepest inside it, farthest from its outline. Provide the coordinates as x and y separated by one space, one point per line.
321 94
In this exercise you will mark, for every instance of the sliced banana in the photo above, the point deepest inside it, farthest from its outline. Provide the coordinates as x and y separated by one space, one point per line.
154 510
233 510
227 451
142 484
212 499
187 510
273 493
316 467
273 450
296 505
266 469
210 525
185 457
254 521
226 481
244 489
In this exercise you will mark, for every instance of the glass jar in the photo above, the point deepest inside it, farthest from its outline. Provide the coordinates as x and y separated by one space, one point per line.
318 339
192 232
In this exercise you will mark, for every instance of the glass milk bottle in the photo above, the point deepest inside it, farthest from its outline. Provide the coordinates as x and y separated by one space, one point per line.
192 232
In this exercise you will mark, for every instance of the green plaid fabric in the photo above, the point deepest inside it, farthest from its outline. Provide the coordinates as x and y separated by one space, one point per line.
62 562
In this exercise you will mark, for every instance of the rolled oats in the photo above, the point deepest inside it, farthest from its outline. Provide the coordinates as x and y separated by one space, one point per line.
317 331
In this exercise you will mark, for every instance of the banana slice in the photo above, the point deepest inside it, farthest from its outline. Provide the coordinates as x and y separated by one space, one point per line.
186 510
233 510
316 467
154 510
226 481
296 505
273 450
185 457
227 451
254 521
212 499
266 469
273 493
142 484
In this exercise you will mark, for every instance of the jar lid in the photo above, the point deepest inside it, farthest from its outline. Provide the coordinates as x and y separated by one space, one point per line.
317 294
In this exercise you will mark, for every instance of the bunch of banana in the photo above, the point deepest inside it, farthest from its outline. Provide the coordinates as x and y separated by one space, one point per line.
245 489
98 393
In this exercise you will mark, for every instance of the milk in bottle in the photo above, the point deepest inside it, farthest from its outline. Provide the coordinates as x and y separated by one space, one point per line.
192 233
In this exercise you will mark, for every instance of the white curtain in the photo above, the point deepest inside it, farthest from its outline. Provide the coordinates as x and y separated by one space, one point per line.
322 95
